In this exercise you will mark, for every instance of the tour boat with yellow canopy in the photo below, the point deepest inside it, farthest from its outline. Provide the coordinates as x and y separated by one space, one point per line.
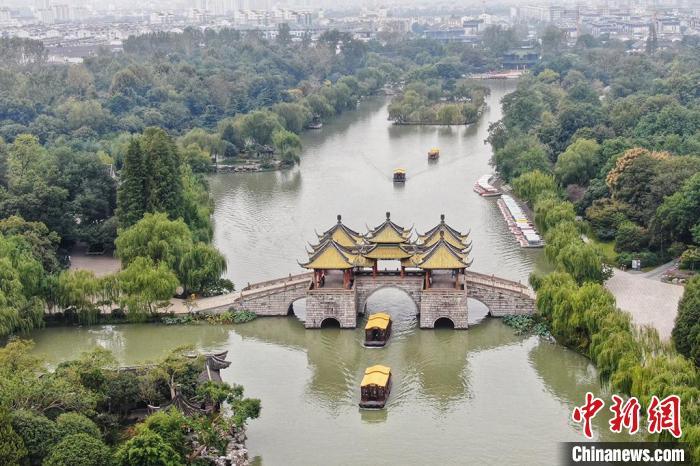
377 329
375 387
433 153
399 175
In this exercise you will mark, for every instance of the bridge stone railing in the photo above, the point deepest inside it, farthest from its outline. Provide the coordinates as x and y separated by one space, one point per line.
501 296
273 298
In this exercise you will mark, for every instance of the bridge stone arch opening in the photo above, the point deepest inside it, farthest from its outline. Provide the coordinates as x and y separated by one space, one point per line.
478 311
443 323
396 302
297 308
330 322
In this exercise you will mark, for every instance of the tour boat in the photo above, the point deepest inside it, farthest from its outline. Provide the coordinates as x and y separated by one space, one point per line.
484 188
315 123
433 153
377 330
518 223
375 387
399 175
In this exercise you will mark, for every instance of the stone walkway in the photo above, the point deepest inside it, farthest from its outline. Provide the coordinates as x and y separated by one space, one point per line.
649 301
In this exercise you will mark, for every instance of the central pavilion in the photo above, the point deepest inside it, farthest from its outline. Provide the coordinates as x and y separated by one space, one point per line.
441 254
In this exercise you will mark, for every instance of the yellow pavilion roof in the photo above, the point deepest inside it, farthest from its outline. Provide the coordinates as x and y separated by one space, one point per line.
376 375
453 236
387 252
443 255
329 255
388 232
399 170
341 234
379 320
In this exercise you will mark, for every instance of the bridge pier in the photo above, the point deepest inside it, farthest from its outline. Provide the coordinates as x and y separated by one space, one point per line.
439 303
331 303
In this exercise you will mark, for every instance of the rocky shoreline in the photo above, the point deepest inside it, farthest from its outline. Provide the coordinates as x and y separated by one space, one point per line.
250 167
236 451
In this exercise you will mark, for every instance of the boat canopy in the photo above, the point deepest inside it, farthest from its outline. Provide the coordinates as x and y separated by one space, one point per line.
379 320
376 375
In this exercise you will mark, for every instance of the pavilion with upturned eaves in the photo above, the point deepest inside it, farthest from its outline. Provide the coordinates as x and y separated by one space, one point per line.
439 253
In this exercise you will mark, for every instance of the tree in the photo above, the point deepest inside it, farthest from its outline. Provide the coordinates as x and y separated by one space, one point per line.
550 211
686 331
79 450
12 449
499 40
75 423
520 155
631 237
132 192
450 115
200 268
531 185
162 163
578 163
294 116
283 35
147 448
146 286
604 216
155 237
38 433
43 243
679 215
552 40
77 290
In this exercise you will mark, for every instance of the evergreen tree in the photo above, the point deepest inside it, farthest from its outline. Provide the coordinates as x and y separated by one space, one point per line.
12 448
164 180
131 197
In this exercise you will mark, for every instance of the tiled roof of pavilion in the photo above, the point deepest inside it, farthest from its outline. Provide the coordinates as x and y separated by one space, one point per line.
388 232
331 255
440 255
451 235
340 248
341 234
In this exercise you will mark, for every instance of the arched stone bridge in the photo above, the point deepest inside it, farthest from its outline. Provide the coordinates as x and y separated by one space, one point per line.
275 297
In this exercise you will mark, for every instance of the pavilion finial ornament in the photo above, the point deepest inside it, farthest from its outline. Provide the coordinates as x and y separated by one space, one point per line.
339 218
388 214
442 218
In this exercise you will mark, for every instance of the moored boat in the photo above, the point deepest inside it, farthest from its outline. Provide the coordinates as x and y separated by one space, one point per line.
433 153
484 188
377 330
375 387
399 175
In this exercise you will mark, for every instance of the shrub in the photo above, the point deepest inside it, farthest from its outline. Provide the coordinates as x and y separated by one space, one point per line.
686 332
79 450
234 317
12 448
38 433
690 259
147 448
630 237
76 423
